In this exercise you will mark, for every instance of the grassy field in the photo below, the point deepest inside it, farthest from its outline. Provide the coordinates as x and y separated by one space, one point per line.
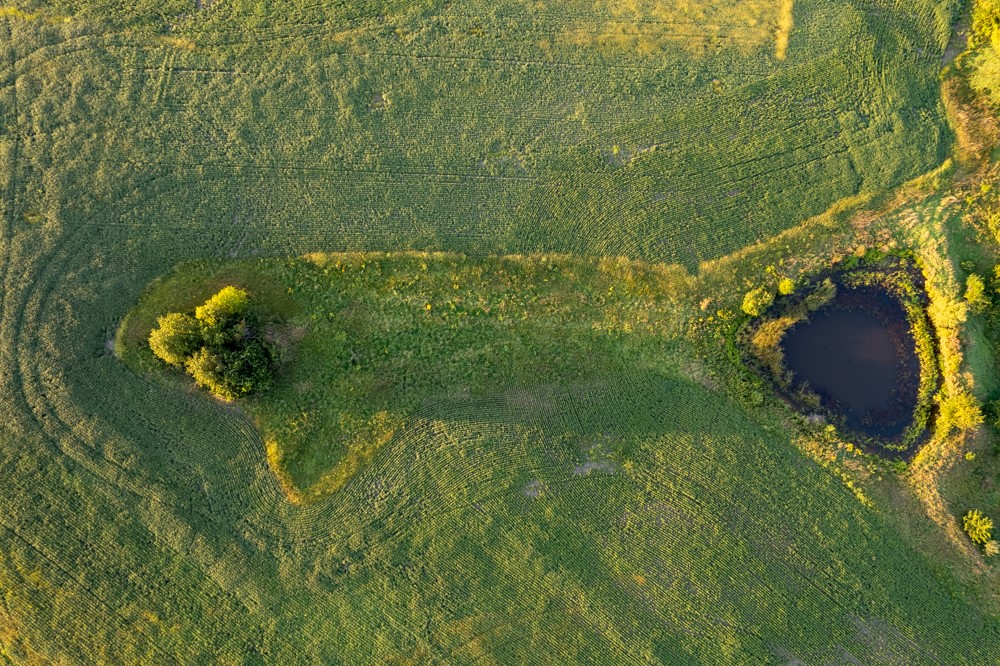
610 499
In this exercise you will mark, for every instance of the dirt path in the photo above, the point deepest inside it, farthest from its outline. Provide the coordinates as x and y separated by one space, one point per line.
958 42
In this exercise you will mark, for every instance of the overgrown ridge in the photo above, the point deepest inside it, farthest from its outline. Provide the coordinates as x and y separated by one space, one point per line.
613 487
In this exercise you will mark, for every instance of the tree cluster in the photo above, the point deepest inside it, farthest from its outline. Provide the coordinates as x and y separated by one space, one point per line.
221 346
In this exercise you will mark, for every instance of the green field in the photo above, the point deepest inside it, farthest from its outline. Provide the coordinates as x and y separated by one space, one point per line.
590 480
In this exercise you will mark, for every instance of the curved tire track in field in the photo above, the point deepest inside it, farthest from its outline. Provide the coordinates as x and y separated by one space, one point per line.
70 253
74 439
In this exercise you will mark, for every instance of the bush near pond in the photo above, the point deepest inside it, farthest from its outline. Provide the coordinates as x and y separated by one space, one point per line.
978 526
757 300
960 411
975 294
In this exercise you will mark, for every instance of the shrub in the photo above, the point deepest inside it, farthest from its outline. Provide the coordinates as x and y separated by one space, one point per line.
207 369
766 346
991 548
985 21
176 337
786 286
961 411
756 301
220 347
977 526
223 308
985 38
975 294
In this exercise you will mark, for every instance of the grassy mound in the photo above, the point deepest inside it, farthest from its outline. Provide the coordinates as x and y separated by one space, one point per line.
371 338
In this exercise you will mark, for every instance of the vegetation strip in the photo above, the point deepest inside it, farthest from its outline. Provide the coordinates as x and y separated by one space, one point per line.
368 339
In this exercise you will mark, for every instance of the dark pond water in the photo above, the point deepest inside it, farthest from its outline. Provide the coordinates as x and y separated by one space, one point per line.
858 355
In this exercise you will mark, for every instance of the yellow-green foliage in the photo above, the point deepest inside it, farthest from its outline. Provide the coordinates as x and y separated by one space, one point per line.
960 411
207 368
975 294
786 286
977 526
947 311
985 39
757 300
228 304
176 337
985 21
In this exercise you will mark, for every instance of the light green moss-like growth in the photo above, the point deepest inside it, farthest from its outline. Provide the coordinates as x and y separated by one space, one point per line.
975 294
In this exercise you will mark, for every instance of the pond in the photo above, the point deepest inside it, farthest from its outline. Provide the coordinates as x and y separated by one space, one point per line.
858 356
